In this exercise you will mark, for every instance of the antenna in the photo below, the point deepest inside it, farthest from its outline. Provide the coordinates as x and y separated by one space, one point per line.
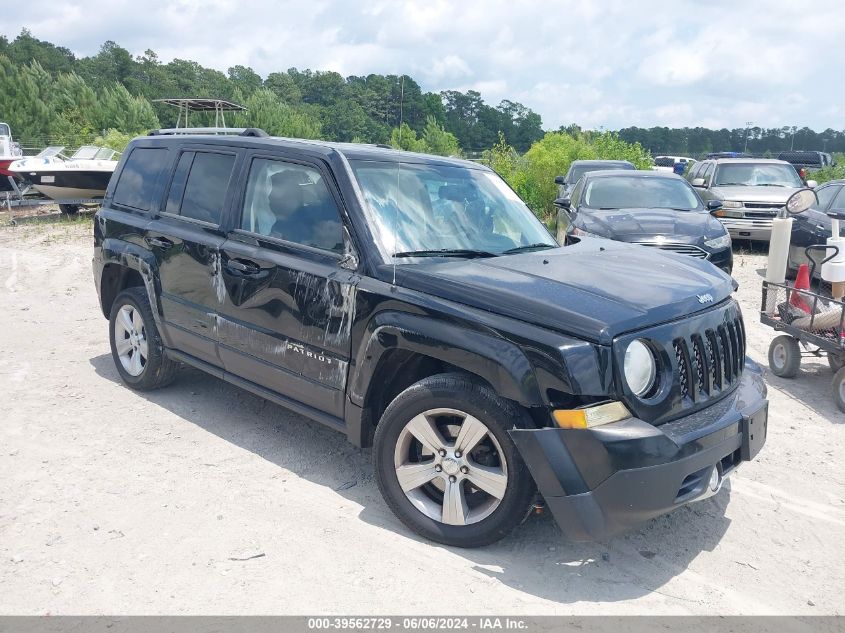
398 169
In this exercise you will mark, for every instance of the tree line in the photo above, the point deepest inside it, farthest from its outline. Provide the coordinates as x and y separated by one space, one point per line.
696 142
47 94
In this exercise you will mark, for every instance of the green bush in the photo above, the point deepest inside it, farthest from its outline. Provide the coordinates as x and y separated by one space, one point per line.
834 172
532 175
114 139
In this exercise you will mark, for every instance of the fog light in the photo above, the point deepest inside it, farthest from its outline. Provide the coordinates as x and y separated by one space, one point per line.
715 479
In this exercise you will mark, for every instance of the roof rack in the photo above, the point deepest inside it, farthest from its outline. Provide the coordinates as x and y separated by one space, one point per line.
195 104
211 131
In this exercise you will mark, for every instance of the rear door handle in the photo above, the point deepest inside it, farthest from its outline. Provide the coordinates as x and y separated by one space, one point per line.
160 242
243 266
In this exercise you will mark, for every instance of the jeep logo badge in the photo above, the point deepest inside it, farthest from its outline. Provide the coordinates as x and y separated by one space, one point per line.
705 298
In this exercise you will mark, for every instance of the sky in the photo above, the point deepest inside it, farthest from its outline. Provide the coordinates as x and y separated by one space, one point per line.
598 63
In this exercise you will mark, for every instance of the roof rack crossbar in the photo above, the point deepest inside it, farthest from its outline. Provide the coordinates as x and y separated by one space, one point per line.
210 131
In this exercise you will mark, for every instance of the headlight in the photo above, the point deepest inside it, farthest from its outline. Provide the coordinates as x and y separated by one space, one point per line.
723 241
583 233
731 204
639 368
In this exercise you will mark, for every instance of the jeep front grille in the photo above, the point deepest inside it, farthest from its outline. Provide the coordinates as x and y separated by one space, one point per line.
710 361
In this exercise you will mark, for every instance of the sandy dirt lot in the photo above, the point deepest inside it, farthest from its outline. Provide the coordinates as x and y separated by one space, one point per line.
204 499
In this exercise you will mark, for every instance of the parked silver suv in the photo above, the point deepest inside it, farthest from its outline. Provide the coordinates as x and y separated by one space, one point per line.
751 192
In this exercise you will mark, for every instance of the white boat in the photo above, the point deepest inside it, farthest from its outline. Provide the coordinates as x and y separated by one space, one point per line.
85 175
9 152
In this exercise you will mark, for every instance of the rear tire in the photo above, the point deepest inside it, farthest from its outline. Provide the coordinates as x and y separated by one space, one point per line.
838 388
136 346
462 498
785 356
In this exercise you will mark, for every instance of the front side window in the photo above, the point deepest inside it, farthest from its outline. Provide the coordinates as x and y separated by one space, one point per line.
640 193
825 195
291 202
757 175
430 208
139 178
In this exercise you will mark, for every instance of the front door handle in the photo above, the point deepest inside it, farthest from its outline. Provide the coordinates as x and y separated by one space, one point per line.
160 242
243 266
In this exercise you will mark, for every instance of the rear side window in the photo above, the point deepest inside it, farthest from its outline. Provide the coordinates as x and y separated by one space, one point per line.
199 186
693 172
139 178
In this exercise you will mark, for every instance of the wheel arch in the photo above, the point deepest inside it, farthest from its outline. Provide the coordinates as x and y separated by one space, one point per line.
402 349
127 265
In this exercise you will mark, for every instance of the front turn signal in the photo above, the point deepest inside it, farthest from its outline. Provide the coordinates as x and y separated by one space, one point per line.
589 417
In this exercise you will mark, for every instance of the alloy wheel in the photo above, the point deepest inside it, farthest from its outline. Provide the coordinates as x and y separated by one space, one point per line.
450 466
130 340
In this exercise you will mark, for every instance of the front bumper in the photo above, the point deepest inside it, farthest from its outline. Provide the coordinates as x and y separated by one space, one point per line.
609 479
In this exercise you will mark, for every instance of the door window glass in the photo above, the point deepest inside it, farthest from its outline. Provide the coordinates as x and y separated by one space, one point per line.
825 195
177 185
205 189
839 203
139 178
291 202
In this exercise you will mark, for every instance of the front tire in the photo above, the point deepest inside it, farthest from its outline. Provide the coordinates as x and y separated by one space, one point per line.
136 346
446 465
785 356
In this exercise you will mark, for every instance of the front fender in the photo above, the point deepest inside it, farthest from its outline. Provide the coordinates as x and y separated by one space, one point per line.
497 360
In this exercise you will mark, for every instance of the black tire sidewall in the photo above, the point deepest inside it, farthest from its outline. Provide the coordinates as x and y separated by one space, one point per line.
456 392
158 369
792 362
838 380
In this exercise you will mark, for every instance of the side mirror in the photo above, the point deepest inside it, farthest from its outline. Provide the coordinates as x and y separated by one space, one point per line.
697 182
812 184
560 180
714 205
563 203
801 200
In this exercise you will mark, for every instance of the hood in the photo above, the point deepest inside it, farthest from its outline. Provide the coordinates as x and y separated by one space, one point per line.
777 195
596 289
688 226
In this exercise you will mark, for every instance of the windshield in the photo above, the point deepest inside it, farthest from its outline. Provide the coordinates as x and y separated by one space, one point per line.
577 171
757 175
4 130
418 207
624 192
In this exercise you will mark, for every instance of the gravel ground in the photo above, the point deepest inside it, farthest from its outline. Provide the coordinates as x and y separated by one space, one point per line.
203 499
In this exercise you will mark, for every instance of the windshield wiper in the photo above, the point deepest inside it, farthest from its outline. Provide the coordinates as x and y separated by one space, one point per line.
528 247
770 184
446 252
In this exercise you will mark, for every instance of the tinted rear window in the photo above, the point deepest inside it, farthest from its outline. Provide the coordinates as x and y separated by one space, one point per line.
205 188
138 183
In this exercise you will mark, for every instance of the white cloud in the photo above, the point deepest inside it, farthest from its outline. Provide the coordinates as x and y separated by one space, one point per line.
611 64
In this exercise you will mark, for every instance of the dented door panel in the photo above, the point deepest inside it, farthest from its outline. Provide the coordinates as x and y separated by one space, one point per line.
286 326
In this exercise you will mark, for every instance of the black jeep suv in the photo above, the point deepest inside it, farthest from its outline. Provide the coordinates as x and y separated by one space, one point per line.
415 304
